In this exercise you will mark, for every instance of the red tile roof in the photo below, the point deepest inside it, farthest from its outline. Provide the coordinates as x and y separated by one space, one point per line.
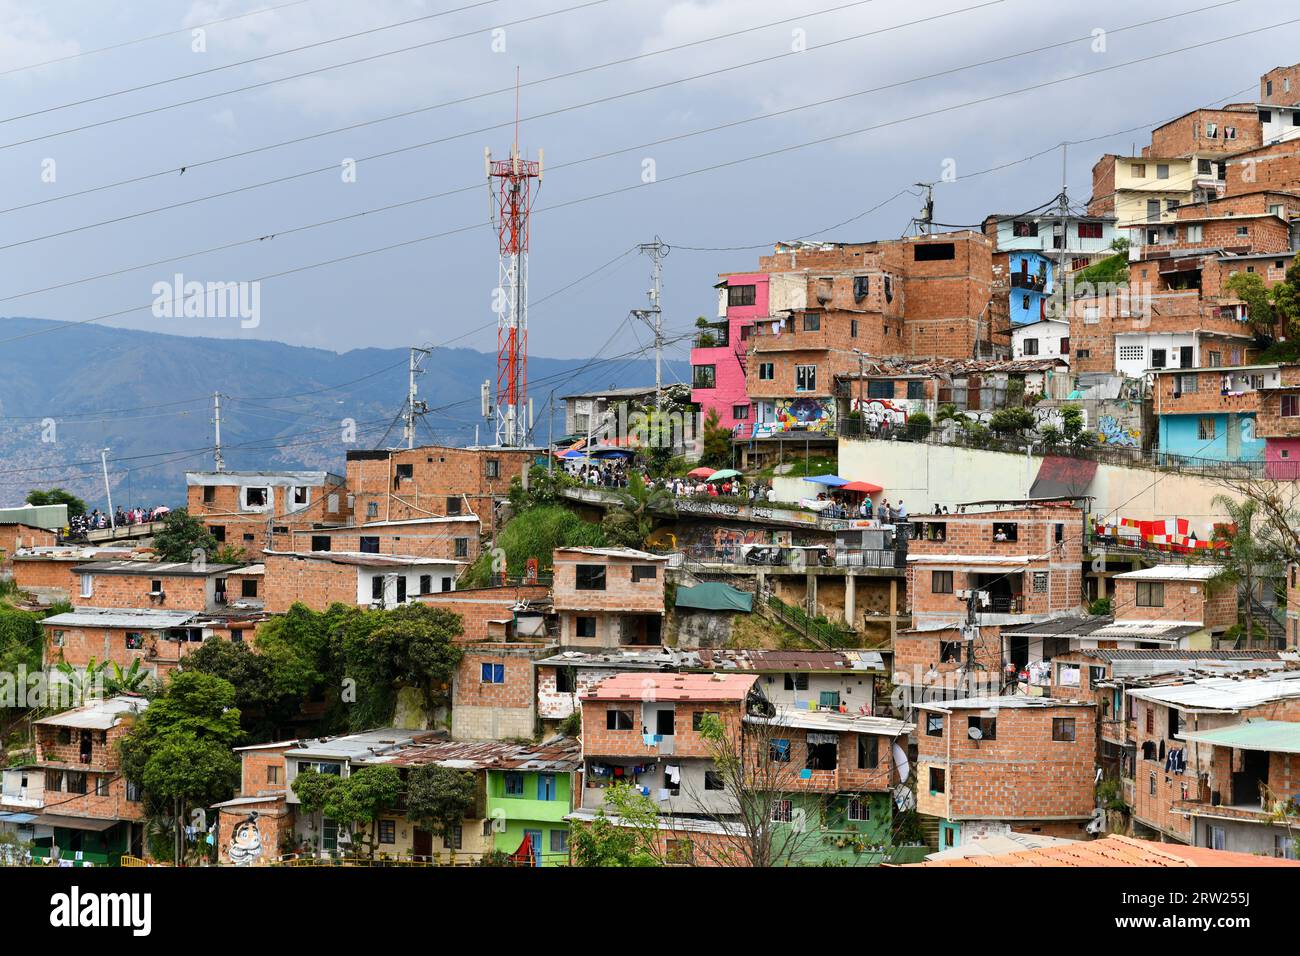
672 687
1117 851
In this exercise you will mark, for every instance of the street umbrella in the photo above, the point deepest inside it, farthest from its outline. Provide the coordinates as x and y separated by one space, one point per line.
832 481
723 475
863 487
700 472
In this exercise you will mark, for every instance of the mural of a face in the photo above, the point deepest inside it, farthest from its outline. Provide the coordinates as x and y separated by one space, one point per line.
246 842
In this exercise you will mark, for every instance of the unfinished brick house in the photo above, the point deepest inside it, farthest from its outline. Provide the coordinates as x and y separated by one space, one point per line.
452 538
432 480
1176 594
48 574
988 765
254 825
508 612
157 639
161 585
1024 563
96 814
247 509
608 597
494 690
1172 767
321 578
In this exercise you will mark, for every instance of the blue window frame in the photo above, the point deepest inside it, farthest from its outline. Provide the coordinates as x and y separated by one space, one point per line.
514 784
546 786
493 674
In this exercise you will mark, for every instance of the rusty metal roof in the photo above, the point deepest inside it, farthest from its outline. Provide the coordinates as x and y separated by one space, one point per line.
672 687
1117 851
557 755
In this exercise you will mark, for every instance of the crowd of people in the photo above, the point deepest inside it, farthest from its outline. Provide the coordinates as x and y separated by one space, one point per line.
97 520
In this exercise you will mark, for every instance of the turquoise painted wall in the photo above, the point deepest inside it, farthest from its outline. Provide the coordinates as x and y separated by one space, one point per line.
1234 437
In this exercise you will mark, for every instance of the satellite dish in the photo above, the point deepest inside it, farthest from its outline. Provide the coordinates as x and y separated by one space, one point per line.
974 733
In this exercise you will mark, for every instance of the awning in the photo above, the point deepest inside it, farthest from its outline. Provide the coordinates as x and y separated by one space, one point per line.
92 824
1279 736
1059 476
700 472
17 819
833 481
723 475
865 487
715 596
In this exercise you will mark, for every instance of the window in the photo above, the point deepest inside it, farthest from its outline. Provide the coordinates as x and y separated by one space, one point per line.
273 774
778 750
1157 358
1229 132
372 509
256 497
57 639
590 577
209 494
812 323
1196 233
618 720
740 412
644 572
740 294
805 378
1216 838
133 791
559 841
713 780
697 718
950 652
1162 170
1083 353
301 495
102 781
462 547
87 585
369 544
1290 406
492 468
320 542
1024 229
940 582
546 789
1130 353
916 390
1211 130
934 251
76 781
586 626
451 839
1138 170
453 505
934 725
1187 383
1150 594
1063 729
937 780
1284 846
823 751
766 371
1205 428
880 388
248 588
1005 531
377 588
134 641
1039 582
1090 230
853 328
796 681
859 811
782 811
1243 231
868 752
1030 346
387 831
987 727
706 376
1151 784
514 784
492 673
218 532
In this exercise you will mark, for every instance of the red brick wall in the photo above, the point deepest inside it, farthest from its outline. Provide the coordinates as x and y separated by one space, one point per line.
103 762
317 584
1186 134
477 606
599 741
421 540
15 536
1184 601
518 691
224 512
180 592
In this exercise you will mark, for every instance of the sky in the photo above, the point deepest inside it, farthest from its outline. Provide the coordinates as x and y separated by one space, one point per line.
644 139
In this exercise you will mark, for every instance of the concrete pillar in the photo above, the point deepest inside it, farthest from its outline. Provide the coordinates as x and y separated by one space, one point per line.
893 609
850 585
812 593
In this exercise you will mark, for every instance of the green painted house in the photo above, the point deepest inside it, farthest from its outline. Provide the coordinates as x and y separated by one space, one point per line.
528 807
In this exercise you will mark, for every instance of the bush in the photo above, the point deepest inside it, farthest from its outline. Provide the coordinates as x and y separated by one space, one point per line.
1009 421
1100 607
918 426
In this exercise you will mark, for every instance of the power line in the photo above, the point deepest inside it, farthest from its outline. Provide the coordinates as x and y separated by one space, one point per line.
695 172
154 36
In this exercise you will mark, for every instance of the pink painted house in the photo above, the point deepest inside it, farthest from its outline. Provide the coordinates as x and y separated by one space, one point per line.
719 372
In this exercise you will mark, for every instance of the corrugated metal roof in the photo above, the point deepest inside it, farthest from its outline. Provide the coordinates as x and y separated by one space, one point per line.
1171 572
672 687
1117 851
1225 694
49 517
557 755
100 715
162 568
1280 736
120 617
835 722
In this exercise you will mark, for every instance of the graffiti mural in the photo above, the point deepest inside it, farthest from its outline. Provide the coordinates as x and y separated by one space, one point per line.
246 842
895 411
799 414
1111 431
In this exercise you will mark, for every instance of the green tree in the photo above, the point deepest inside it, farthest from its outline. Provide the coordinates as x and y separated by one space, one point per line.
633 521
57 496
625 836
1011 421
313 790
268 692
359 798
439 798
717 442
1260 313
181 535
1251 550
919 425
534 533
180 750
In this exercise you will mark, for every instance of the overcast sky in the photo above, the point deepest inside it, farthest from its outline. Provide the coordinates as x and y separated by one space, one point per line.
440 289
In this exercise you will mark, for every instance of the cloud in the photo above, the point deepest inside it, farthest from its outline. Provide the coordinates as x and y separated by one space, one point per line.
27 37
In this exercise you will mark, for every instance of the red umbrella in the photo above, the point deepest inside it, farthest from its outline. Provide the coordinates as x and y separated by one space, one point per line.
699 472
865 487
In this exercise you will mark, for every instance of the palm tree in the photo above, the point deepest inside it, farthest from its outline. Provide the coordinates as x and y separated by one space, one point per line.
132 680
1251 549
633 521
83 680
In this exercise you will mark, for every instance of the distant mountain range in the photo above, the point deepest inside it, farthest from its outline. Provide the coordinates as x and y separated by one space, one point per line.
66 394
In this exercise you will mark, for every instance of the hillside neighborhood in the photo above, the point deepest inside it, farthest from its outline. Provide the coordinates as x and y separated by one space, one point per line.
967 548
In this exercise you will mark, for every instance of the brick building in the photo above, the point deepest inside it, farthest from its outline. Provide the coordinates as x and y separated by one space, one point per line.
94 813
608 597
497 613
247 509
257 824
1021 763
454 538
159 585
494 690
1211 413
1178 594
1171 767
720 353
47 574
30 526
321 578
432 480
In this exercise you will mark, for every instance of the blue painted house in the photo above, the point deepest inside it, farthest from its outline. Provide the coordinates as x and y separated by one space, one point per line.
1210 413
1030 282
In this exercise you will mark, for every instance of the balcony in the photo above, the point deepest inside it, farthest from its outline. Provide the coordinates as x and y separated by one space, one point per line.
1029 282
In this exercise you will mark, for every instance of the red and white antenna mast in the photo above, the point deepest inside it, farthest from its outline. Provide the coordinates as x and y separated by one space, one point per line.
510 182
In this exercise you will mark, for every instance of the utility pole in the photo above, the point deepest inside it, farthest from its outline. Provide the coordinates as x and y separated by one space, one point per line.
654 316
862 409
218 461
108 492
925 224
413 407
971 633
1059 278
